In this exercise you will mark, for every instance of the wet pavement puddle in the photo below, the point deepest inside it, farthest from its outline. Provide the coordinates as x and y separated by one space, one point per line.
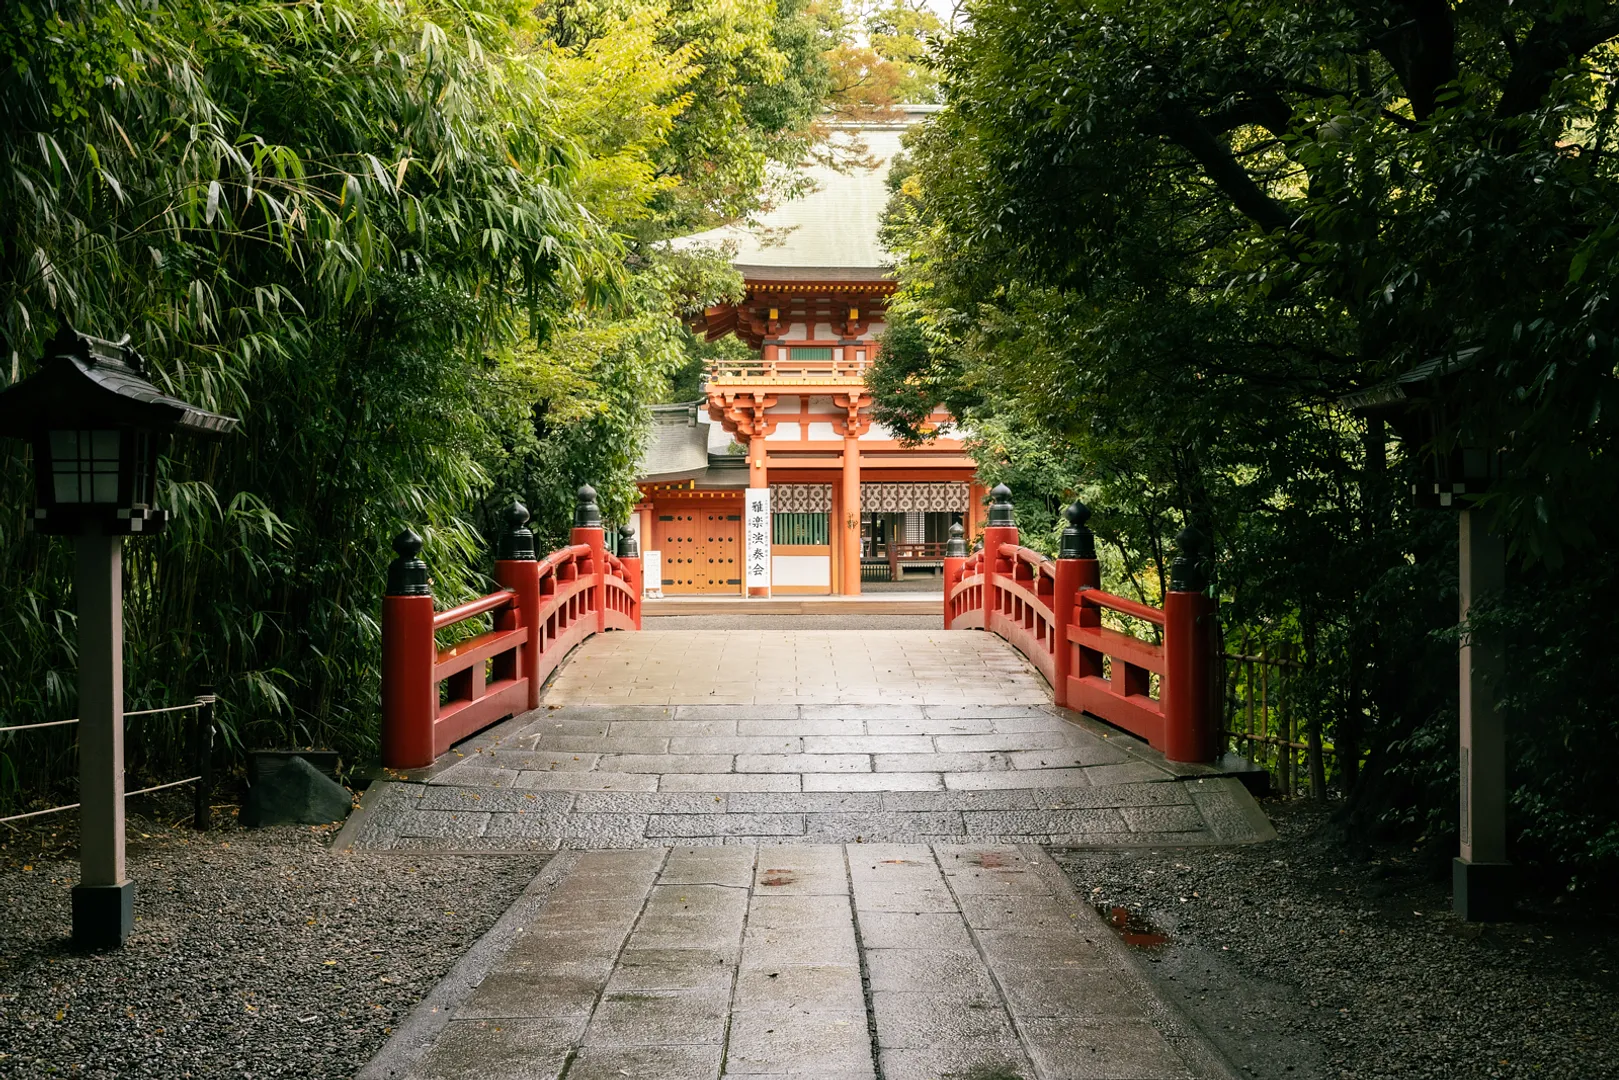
1132 927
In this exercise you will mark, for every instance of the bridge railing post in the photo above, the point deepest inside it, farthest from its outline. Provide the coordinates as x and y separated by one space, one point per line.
1077 569
517 568
955 560
1001 528
1187 694
409 693
629 553
587 530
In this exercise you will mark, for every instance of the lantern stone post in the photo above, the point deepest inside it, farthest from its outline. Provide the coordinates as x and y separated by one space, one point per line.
98 427
1482 880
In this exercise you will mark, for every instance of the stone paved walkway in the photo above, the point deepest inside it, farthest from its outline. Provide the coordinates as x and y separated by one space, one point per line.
827 868
904 962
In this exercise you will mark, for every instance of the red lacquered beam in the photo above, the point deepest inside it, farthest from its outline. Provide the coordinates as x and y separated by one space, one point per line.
1098 598
473 607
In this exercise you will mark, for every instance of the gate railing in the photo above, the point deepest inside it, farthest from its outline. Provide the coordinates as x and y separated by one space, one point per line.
433 698
1050 610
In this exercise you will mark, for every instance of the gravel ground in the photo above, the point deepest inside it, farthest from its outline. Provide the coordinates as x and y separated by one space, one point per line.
255 954
744 621
1301 959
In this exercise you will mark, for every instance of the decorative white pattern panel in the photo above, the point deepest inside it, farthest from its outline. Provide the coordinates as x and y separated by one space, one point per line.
821 403
797 332
801 498
919 498
785 433
818 431
787 403
801 570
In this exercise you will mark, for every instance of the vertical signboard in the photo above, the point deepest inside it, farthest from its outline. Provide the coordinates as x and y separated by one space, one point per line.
652 574
756 527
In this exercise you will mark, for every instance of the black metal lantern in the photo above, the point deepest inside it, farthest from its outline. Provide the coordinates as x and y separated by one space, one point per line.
1416 405
97 426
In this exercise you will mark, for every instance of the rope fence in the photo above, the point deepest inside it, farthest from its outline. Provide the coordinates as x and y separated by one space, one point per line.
203 752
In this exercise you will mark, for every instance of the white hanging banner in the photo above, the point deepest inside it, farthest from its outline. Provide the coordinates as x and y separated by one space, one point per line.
756 526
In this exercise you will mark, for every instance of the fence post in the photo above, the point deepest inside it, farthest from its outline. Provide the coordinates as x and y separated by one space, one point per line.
587 530
955 559
203 748
1076 569
629 553
517 568
1001 528
409 691
1187 693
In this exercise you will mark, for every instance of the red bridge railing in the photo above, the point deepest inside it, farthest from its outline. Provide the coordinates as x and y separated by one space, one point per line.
431 697
1050 610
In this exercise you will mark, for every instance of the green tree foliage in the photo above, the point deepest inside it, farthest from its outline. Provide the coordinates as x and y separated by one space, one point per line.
408 242
1172 234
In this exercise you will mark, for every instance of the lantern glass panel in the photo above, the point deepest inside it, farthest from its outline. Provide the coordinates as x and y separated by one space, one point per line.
84 466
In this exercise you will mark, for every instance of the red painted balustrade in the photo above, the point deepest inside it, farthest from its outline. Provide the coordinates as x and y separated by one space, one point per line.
434 697
1050 610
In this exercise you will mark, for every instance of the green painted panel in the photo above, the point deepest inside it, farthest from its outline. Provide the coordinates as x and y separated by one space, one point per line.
800 528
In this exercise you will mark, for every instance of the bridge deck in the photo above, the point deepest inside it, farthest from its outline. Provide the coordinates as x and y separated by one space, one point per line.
834 876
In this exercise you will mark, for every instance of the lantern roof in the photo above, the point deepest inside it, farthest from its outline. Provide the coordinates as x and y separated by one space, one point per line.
88 382
1410 387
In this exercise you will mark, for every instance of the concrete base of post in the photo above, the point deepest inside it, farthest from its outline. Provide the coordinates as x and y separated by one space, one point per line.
103 915
1483 892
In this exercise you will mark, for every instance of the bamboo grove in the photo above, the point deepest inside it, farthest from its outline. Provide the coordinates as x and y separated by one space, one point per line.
415 246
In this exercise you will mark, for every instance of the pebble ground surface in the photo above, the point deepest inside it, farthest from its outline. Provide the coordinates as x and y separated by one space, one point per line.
256 954
1300 958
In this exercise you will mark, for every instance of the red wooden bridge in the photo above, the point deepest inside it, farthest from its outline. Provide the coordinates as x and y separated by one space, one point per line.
1160 687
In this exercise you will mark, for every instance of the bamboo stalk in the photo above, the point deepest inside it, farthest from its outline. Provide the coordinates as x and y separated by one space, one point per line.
1248 692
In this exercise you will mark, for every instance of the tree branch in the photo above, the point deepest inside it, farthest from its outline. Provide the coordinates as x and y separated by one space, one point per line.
1192 134
1546 49
1267 109
1421 50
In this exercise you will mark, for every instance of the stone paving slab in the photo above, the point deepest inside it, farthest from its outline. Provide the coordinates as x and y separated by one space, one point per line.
733 807
895 723
832 962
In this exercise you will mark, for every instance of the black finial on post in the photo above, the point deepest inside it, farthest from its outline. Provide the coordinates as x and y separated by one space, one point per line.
1189 572
956 546
586 514
407 575
1078 542
1000 507
628 546
517 542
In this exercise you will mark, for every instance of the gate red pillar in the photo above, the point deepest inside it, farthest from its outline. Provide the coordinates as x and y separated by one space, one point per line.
518 569
1000 529
1187 693
409 692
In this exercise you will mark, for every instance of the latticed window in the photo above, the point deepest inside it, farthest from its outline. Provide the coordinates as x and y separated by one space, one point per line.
84 466
800 529
822 353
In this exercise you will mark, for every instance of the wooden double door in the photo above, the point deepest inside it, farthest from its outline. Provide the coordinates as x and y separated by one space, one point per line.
702 548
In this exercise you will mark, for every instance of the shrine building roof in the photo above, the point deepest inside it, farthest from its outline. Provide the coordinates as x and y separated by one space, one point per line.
829 233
